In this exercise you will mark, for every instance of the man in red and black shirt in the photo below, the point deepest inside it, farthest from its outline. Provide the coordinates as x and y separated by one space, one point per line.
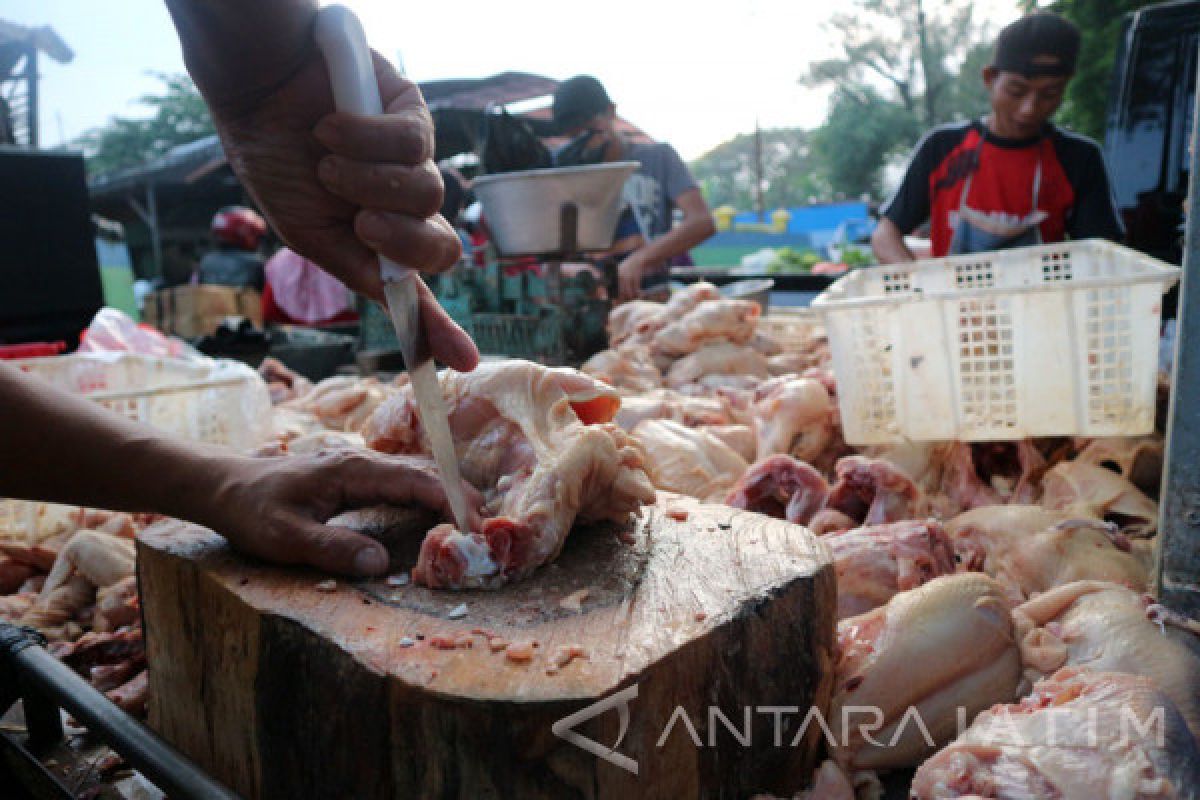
1012 178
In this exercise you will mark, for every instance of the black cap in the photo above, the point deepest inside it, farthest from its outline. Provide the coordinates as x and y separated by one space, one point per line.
1037 45
578 99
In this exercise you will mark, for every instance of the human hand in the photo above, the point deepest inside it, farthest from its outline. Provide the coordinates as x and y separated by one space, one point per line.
276 508
629 278
341 189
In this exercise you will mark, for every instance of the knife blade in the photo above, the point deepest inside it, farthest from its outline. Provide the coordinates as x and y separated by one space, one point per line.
343 43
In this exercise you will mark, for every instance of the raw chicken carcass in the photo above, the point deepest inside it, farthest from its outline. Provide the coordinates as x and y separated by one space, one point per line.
796 419
721 358
1137 459
625 368
708 384
90 560
781 487
116 605
688 461
311 443
723 320
539 445
873 564
669 404
990 473
1108 628
283 383
1080 734
1099 492
1030 549
768 345
13 573
921 461
872 491
687 298
739 437
635 322
343 402
912 666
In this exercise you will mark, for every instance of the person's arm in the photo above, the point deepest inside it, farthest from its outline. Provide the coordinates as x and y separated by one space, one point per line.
696 226
63 448
338 188
908 208
887 242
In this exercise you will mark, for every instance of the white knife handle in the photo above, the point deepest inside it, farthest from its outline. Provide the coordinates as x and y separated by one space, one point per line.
343 43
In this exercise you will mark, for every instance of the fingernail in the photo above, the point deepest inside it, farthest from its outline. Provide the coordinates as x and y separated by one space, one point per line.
370 561
327 170
373 226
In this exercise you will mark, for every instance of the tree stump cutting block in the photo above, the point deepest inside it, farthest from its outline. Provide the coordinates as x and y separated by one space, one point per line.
691 627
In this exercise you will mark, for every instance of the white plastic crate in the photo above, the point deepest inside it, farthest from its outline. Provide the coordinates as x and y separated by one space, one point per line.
1052 340
218 402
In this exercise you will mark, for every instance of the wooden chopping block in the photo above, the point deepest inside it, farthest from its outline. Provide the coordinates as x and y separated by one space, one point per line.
282 689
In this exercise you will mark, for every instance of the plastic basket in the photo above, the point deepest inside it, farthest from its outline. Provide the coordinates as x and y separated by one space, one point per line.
1053 340
217 402
533 337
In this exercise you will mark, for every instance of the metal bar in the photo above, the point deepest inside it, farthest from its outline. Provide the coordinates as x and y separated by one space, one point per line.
169 770
140 210
155 234
31 76
1177 556
42 719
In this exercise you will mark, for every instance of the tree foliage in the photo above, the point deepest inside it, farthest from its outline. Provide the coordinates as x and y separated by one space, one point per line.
904 67
1084 106
726 174
857 138
179 116
912 53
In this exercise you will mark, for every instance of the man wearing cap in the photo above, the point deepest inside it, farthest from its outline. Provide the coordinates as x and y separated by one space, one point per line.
1011 179
662 183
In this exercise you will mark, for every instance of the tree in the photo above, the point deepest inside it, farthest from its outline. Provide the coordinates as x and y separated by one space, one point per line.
905 66
909 56
860 133
1086 100
180 116
726 174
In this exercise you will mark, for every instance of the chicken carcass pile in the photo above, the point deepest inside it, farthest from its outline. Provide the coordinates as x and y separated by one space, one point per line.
75 583
985 590
973 578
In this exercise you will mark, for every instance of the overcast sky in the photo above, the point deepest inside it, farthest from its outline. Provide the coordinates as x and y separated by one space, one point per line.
695 74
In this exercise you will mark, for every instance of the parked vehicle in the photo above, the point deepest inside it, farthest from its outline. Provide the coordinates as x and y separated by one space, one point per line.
1150 115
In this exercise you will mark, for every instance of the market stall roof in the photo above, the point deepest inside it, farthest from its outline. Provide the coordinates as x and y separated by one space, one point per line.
456 105
479 94
180 165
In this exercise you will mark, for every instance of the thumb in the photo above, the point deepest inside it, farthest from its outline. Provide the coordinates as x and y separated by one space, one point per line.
340 550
